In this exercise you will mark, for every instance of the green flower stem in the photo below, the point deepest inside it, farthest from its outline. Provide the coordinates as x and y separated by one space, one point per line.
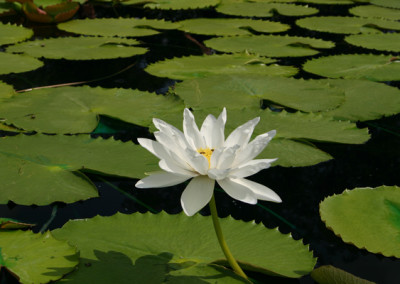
232 261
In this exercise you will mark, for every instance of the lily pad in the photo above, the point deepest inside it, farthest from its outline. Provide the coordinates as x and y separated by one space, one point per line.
17 63
230 26
77 109
386 3
80 48
329 2
6 91
248 90
36 258
262 9
181 4
384 42
328 274
350 216
12 224
371 11
13 33
122 27
42 169
347 25
270 45
356 66
202 66
134 238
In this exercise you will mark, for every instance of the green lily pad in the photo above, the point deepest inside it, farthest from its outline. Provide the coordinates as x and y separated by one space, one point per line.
80 48
384 42
202 66
127 27
347 25
6 91
230 26
365 100
36 258
17 63
181 4
386 3
248 90
371 11
356 66
12 224
328 274
328 2
42 169
350 216
77 109
13 33
270 45
185 242
262 9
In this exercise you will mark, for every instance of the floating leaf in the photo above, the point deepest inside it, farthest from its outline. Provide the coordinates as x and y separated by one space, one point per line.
247 90
328 274
17 63
127 27
77 109
181 4
53 13
357 66
121 240
384 42
13 33
365 100
350 216
270 45
12 224
80 48
386 3
36 258
230 26
347 25
371 11
262 9
329 2
6 91
202 66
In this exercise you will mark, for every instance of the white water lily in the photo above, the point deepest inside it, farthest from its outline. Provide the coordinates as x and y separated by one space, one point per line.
205 157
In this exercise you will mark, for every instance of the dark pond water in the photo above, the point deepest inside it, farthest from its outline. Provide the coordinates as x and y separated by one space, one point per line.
302 189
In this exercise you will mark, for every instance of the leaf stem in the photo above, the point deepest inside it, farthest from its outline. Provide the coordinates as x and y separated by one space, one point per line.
231 260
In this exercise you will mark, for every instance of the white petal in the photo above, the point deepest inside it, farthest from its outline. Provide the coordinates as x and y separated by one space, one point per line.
161 179
197 194
227 157
171 131
241 135
255 147
213 130
170 166
238 191
197 161
262 192
250 168
191 131
154 147
217 174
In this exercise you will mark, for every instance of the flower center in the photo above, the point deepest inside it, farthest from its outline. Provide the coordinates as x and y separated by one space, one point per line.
206 153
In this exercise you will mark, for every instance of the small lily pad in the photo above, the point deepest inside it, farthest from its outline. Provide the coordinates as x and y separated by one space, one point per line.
202 66
386 3
36 258
356 66
80 48
226 27
13 33
6 91
181 4
350 216
347 25
384 42
371 11
328 274
17 63
270 45
12 224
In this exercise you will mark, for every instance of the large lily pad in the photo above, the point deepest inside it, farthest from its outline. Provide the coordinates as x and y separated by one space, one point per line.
36 258
181 4
384 42
202 66
13 33
6 91
386 3
357 66
247 90
273 46
347 25
41 169
372 11
80 48
127 27
16 63
185 242
77 109
230 26
350 216
262 9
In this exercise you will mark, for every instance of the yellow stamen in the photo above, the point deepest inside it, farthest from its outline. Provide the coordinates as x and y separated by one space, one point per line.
206 153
